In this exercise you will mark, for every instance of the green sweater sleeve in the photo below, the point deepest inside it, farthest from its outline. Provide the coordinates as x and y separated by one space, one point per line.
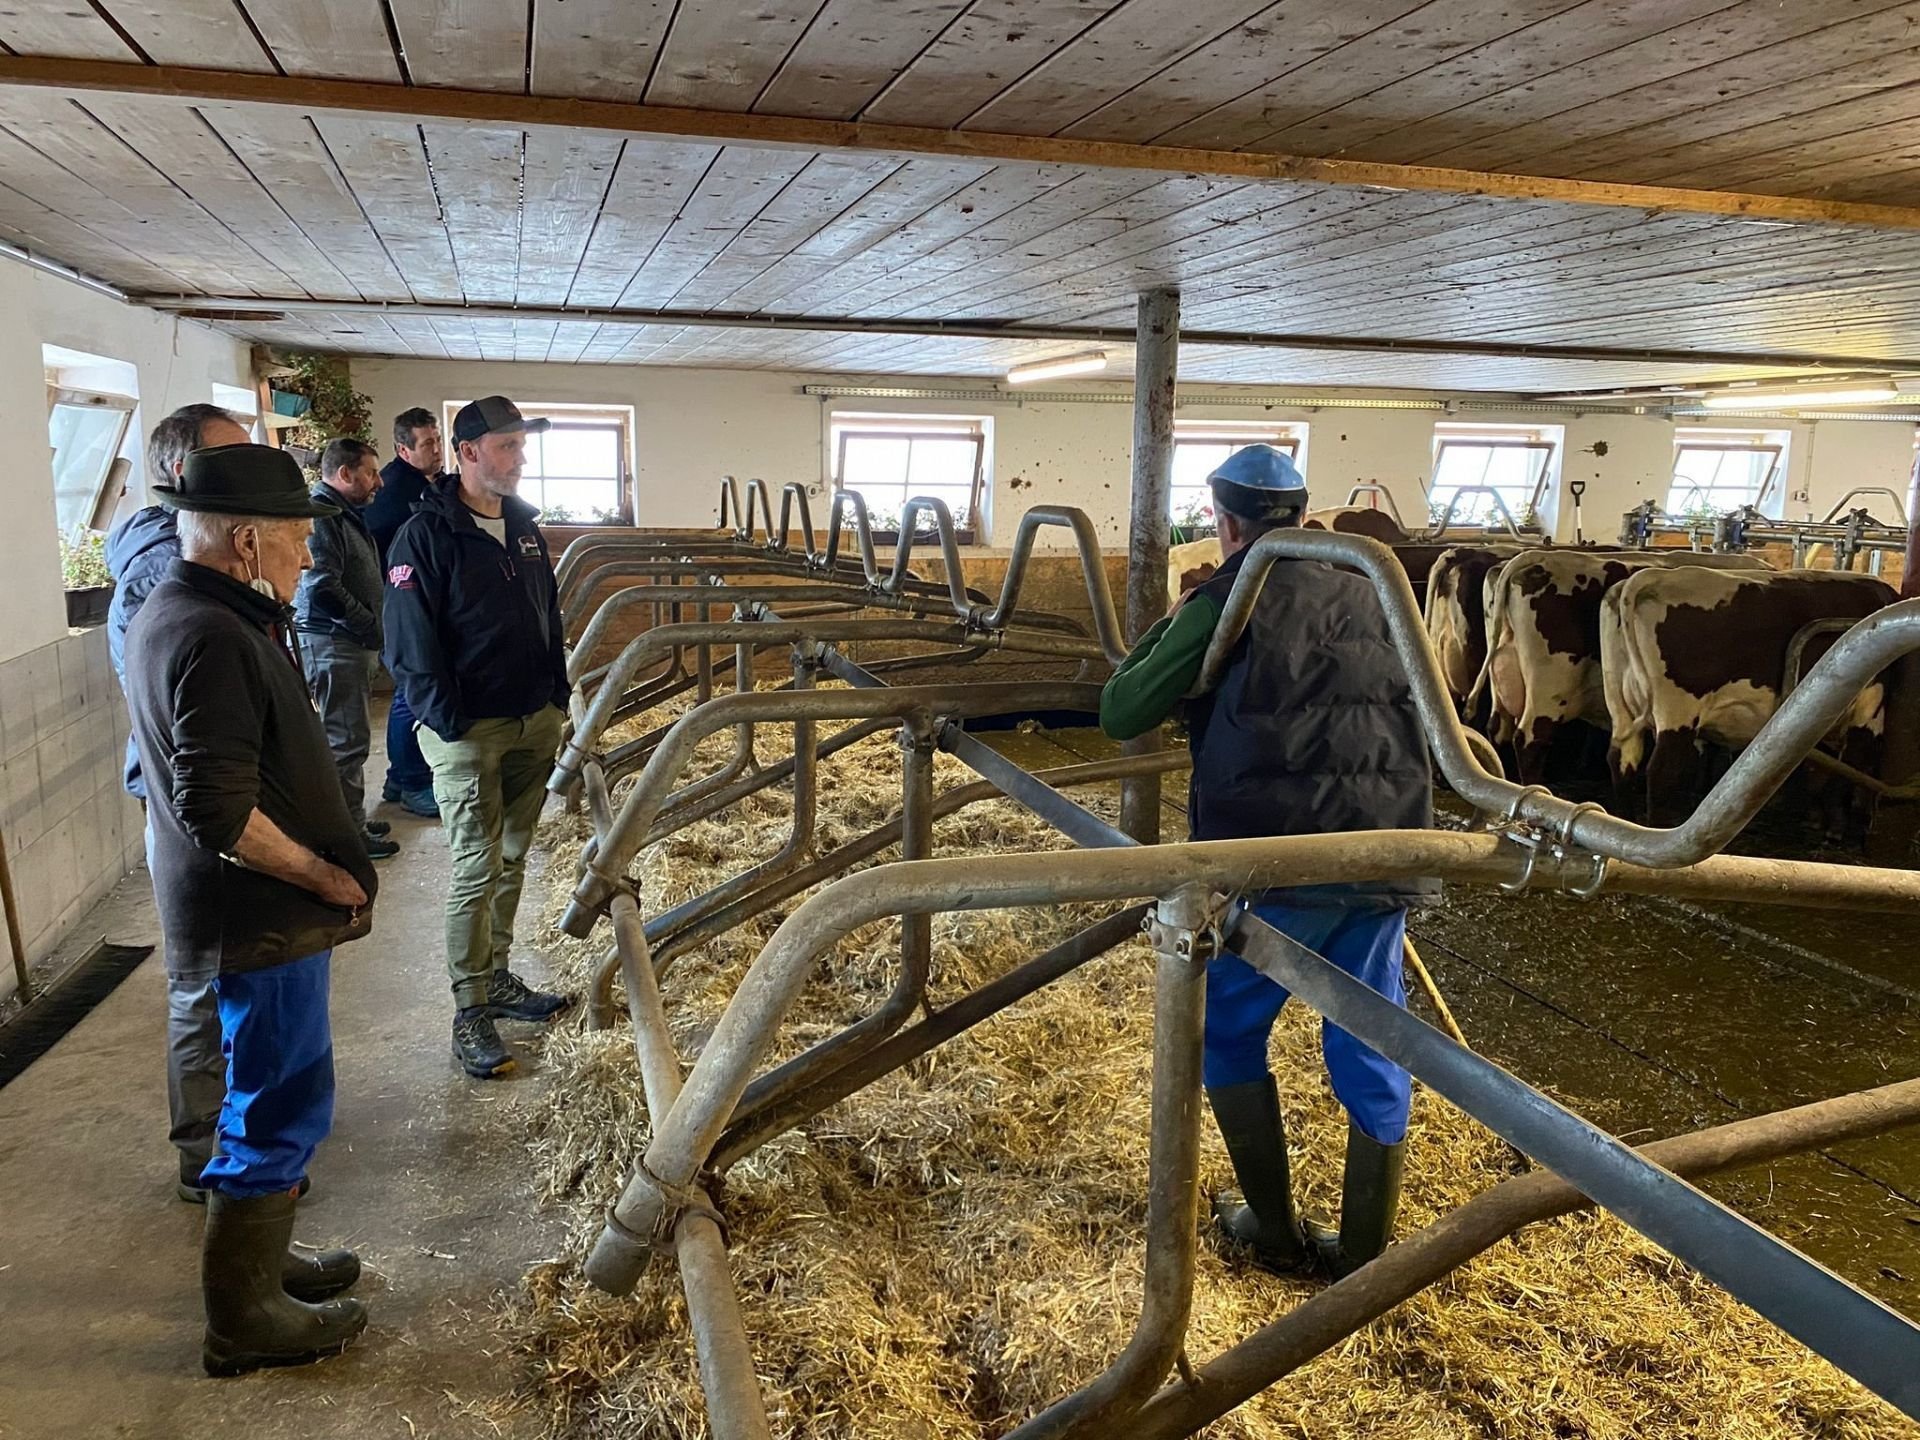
1162 668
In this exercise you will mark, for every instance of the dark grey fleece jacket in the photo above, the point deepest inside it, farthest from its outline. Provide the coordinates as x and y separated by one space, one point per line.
224 726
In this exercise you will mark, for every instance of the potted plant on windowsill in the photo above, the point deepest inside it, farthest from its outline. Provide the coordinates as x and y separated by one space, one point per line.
83 570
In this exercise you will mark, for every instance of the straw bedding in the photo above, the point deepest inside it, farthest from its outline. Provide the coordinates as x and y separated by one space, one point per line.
954 1247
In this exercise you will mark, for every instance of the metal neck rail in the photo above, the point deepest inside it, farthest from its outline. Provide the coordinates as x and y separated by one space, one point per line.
722 1111
1849 533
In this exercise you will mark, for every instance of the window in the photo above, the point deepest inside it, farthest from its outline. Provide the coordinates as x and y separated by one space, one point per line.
86 430
578 472
1200 445
1518 463
890 459
1718 471
243 404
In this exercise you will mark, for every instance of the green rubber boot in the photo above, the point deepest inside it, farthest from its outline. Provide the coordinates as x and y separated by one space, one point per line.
1369 1204
1266 1225
251 1320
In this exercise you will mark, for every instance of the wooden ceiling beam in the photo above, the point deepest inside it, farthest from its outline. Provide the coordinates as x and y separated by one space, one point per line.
217 308
313 96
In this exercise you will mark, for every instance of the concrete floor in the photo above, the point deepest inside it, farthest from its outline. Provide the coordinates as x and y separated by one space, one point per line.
99 1283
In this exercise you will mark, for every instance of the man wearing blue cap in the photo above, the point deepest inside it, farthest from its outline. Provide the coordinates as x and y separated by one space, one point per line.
1311 730
474 643
259 871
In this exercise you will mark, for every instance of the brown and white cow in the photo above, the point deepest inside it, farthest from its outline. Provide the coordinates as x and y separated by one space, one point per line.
1695 656
1193 563
1455 610
1543 665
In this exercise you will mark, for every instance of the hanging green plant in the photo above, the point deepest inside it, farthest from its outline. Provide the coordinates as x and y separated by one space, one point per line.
83 559
338 410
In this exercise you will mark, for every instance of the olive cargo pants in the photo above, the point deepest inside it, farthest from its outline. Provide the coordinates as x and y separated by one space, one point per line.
490 784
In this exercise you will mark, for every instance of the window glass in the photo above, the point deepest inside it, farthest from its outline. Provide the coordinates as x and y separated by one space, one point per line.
890 459
1715 472
576 473
1479 469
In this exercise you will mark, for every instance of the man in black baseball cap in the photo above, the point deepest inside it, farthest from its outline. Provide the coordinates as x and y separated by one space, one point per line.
495 415
474 642
259 872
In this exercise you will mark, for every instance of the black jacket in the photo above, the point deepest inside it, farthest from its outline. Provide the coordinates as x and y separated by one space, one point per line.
139 555
340 595
1312 728
473 629
221 714
401 488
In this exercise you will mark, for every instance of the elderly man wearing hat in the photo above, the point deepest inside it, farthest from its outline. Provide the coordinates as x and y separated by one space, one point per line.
474 642
258 871
1312 729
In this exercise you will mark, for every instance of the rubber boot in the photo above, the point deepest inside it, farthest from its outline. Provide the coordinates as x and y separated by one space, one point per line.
251 1320
1369 1204
318 1274
1249 1119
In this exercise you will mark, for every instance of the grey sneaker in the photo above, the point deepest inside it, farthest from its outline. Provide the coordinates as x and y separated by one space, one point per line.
511 998
477 1045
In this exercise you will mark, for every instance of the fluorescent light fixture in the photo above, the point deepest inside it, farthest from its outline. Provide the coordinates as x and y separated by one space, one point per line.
1795 399
1084 364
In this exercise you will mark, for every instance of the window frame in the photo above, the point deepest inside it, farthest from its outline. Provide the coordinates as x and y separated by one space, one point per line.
58 395
575 415
869 425
1467 439
1776 469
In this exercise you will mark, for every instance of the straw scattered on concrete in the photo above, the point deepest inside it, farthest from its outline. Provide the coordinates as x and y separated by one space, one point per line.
956 1246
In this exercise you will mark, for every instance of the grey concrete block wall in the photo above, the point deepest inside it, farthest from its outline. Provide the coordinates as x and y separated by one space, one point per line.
71 830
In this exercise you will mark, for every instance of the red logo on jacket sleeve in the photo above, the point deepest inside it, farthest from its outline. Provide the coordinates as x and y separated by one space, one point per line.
401 577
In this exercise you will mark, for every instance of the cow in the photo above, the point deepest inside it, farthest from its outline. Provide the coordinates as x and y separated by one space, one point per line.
1543 664
1455 611
1357 520
1697 656
1193 563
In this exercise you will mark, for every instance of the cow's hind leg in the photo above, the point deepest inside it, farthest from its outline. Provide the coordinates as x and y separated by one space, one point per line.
1673 772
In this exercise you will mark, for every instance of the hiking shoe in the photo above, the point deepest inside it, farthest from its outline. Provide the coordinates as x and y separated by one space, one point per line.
378 827
477 1045
511 998
379 847
419 802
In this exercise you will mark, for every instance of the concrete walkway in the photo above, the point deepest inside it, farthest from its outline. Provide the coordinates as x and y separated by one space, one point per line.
99 1280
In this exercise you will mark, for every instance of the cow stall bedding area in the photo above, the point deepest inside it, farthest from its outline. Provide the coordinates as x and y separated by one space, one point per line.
945 1252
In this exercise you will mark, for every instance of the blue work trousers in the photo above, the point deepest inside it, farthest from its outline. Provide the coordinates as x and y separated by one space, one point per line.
407 768
1242 1004
278 1041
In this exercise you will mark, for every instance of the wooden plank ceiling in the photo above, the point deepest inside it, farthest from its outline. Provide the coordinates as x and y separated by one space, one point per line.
1817 98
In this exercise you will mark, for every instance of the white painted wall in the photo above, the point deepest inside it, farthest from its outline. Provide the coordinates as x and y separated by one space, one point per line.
694 425
177 362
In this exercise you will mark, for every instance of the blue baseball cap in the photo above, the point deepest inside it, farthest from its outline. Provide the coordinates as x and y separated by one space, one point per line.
1258 481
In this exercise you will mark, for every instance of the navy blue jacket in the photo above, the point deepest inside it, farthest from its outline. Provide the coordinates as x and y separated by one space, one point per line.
1312 729
138 556
401 488
473 629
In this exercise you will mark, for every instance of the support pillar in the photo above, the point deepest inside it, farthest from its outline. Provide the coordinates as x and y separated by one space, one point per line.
1156 362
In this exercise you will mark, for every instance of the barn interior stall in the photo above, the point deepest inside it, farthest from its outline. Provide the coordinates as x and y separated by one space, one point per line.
717 1116
835 407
